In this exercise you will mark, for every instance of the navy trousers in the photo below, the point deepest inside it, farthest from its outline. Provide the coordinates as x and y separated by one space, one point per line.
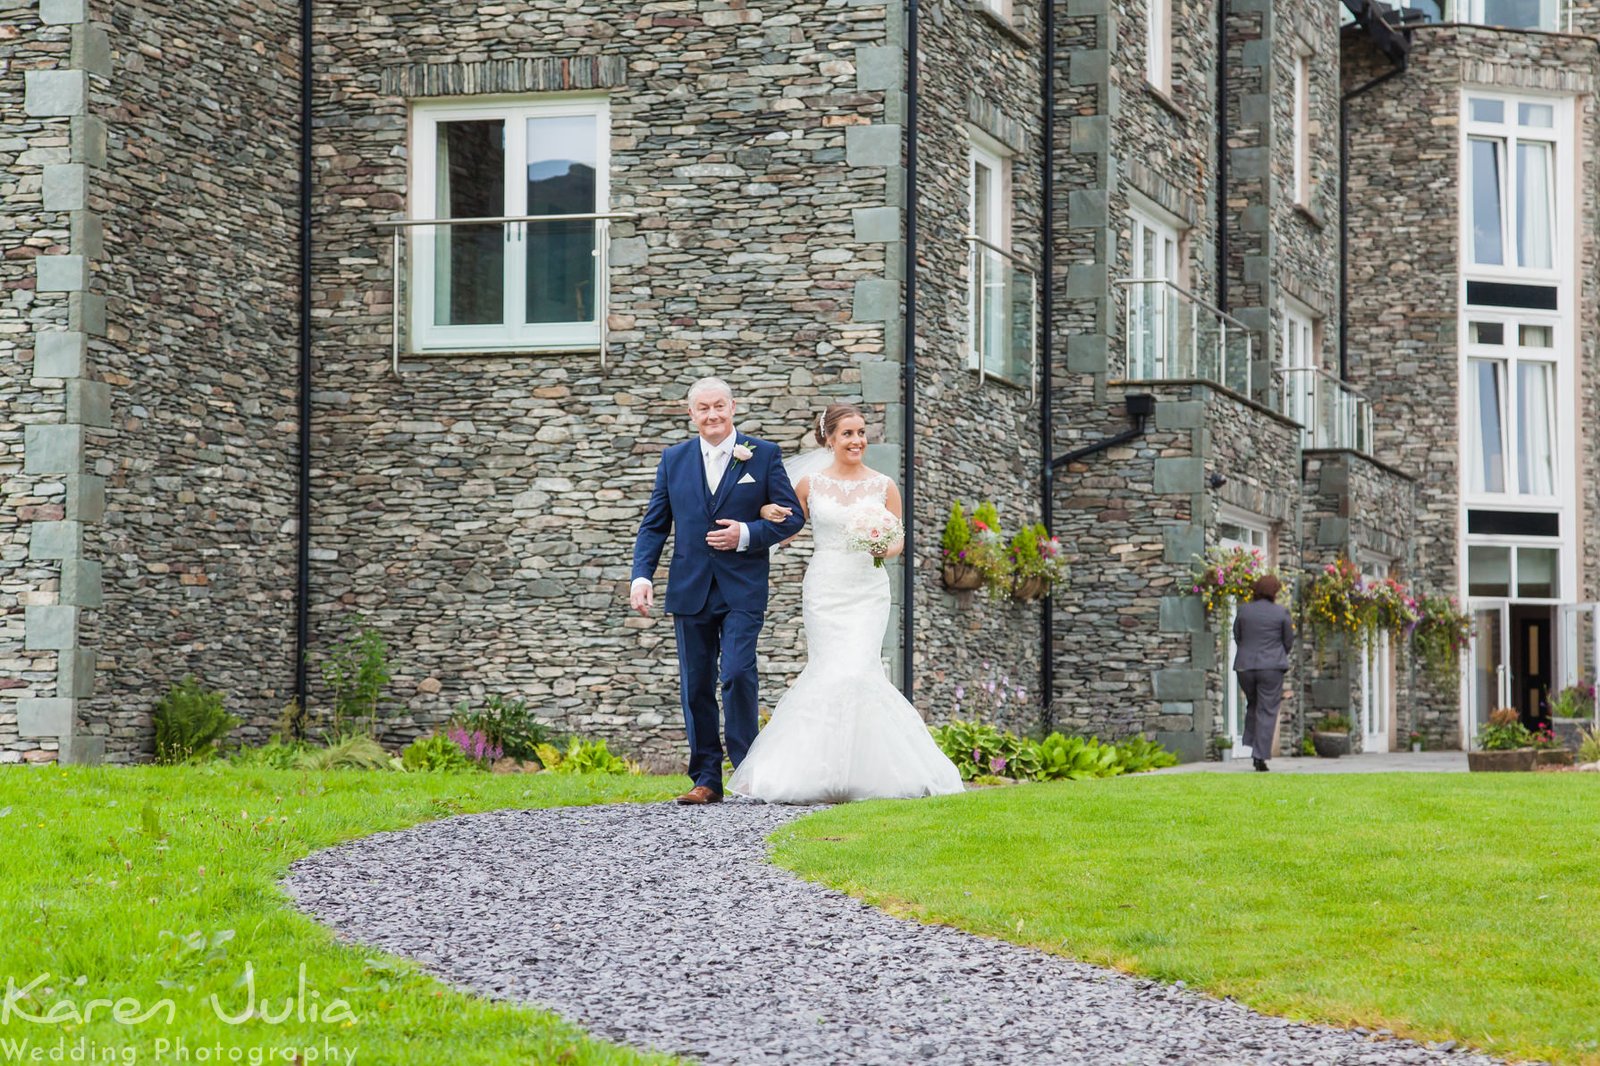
717 644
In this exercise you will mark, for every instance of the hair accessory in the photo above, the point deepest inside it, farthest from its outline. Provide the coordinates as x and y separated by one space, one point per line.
822 429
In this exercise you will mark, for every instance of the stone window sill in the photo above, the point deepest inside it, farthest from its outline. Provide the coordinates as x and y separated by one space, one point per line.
1311 215
1165 99
1001 23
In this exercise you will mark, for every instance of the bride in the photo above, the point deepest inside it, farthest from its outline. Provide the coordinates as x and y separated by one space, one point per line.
843 731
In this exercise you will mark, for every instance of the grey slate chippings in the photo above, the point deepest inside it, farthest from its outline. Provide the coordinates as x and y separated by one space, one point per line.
666 928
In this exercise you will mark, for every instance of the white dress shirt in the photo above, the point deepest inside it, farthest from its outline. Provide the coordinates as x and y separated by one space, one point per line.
715 459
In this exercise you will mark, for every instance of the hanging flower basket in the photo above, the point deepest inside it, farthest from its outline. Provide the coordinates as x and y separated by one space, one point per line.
960 577
1032 587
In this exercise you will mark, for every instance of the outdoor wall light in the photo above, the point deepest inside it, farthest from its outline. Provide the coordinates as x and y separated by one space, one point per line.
1216 480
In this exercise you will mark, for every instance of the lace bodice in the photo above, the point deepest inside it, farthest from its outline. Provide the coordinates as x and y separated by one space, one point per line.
834 500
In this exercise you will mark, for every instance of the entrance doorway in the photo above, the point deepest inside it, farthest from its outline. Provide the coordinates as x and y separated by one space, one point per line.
1512 662
1532 663
1237 530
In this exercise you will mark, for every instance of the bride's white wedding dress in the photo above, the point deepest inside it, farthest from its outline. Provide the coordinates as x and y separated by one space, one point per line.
843 731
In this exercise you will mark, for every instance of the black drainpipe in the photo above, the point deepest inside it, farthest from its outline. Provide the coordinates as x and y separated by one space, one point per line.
302 604
1047 510
908 365
1344 211
1222 155
1139 406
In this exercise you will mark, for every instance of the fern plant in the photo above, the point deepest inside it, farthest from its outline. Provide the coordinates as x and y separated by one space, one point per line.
190 722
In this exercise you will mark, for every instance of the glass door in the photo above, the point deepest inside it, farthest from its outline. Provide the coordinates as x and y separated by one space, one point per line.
1489 680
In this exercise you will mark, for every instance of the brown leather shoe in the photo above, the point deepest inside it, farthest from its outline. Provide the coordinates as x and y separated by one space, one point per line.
698 795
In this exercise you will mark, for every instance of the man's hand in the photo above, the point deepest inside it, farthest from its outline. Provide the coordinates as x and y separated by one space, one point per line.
774 513
725 539
642 597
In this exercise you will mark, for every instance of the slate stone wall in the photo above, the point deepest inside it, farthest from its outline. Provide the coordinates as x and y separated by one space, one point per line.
977 439
480 511
32 393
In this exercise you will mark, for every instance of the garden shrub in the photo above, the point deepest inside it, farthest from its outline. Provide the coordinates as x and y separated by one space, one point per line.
437 754
355 752
190 722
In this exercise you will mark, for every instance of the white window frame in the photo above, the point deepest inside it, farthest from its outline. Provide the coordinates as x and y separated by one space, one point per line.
1158 45
1300 353
990 221
1157 303
1566 584
1000 9
508 335
1302 126
1511 354
1506 135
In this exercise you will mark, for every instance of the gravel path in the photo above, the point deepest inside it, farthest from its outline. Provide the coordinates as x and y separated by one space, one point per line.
664 927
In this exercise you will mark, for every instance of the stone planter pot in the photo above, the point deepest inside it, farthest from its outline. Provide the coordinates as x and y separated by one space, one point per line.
1553 757
1518 760
1331 745
1030 588
1417 746
960 576
1569 731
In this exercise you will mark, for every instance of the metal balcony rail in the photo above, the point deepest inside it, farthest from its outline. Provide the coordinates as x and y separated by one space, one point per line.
1004 312
1331 412
1173 335
501 283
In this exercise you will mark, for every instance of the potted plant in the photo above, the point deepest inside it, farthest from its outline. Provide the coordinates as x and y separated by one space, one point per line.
987 550
1037 565
1548 749
1571 710
1416 741
1222 745
1331 738
1505 742
959 571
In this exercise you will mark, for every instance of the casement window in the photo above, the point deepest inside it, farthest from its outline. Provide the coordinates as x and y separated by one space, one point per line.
1158 45
498 285
1001 9
1510 405
1001 293
1512 167
1302 128
1153 299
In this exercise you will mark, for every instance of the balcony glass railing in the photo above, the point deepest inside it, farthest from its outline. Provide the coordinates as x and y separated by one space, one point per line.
526 283
1172 334
1004 312
1332 414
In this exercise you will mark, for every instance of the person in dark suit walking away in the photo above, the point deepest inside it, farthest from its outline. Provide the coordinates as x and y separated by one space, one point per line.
1263 632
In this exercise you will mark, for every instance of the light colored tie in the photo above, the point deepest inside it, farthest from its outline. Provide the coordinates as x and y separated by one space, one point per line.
715 463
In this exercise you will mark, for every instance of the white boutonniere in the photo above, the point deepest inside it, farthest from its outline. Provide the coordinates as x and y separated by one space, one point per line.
742 452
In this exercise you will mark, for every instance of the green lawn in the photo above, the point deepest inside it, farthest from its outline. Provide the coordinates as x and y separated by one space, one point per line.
160 884
1436 905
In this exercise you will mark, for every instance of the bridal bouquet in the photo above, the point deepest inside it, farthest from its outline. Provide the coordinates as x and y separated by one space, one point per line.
875 530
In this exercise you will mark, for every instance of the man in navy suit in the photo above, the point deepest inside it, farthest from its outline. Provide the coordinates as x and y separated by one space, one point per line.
710 490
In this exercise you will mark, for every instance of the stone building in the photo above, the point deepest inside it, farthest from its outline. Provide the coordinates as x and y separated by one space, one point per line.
240 410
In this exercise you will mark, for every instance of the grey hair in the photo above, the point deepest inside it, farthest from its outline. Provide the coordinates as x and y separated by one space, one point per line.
710 383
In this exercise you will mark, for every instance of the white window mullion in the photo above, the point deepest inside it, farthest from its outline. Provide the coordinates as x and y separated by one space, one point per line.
516 266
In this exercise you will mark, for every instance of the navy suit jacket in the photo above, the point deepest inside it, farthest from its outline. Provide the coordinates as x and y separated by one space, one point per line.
682 505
